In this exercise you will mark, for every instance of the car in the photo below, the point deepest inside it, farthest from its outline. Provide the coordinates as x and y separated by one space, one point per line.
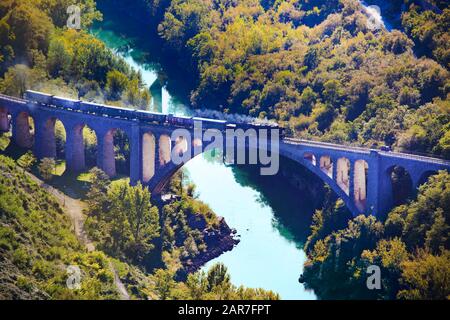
386 148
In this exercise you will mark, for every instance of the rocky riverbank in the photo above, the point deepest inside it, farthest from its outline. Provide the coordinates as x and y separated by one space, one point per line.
218 240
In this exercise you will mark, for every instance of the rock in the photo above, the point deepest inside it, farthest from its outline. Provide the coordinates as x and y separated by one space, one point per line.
218 241
197 221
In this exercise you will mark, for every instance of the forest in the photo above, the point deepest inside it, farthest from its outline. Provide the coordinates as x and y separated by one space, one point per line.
316 67
147 246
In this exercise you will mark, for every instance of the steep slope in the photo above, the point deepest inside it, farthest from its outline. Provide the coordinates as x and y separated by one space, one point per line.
37 245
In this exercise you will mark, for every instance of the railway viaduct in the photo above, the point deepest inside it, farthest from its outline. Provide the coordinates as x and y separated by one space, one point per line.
360 177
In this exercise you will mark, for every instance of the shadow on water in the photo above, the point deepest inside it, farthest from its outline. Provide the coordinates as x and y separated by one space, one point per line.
293 206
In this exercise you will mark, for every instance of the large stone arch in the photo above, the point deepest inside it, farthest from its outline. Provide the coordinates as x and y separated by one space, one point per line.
164 174
324 176
166 171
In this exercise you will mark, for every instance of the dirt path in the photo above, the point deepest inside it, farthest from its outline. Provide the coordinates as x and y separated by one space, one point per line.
75 208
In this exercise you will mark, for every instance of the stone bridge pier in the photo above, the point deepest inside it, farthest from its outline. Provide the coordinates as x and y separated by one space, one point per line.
4 120
75 149
22 131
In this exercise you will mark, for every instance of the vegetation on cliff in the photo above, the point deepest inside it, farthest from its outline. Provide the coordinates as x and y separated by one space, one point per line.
37 245
411 247
39 52
316 67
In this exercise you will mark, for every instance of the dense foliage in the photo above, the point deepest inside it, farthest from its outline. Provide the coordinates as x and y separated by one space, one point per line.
121 218
411 247
124 223
317 67
37 245
39 52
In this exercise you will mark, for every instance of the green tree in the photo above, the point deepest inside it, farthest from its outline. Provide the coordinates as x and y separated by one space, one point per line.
197 284
143 219
164 283
426 277
97 195
116 84
218 277
27 160
47 168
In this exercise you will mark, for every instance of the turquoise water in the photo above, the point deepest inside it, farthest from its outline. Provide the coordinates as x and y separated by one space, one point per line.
271 219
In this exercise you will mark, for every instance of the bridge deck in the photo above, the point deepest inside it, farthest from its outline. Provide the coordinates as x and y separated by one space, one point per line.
295 141
363 150
12 99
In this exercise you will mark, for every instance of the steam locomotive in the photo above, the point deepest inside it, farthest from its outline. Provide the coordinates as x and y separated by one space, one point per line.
136 115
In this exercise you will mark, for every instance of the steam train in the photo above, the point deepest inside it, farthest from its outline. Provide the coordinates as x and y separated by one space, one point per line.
137 115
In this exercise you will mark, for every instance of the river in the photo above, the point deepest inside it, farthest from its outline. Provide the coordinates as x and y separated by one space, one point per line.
271 219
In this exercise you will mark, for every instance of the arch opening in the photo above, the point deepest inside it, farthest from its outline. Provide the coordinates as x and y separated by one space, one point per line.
360 177
165 147
5 120
5 128
90 146
53 144
181 146
425 176
343 174
402 185
60 147
148 156
116 153
197 145
310 158
326 165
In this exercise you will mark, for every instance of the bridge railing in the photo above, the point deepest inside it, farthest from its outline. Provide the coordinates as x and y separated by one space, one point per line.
405 155
326 144
416 157
12 99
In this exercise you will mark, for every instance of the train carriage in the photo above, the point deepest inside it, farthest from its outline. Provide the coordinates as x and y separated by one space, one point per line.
91 107
211 123
147 116
38 97
66 103
181 121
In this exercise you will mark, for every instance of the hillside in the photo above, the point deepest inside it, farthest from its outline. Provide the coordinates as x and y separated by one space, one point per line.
37 245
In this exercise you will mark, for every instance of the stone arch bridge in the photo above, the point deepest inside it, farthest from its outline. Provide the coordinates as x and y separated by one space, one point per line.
360 177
